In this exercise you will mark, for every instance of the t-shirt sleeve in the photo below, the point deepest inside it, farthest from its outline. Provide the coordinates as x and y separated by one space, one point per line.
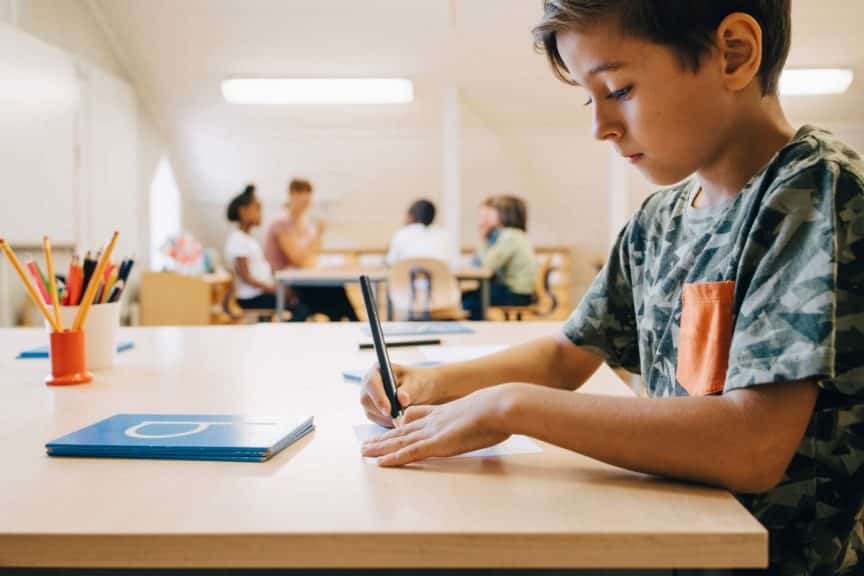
237 246
499 253
604 322
786 325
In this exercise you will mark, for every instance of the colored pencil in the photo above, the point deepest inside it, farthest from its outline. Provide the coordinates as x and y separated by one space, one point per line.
52 281
37 279
90 293
30 289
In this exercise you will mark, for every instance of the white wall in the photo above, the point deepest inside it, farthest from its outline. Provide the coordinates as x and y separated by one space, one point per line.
68 24
71 26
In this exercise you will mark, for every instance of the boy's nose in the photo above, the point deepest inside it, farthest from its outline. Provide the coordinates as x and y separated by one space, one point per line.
606 128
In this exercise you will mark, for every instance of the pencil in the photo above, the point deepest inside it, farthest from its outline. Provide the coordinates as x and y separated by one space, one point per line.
116 291
88 266
37 279
52 282
87 300
76 276
109 285
30 289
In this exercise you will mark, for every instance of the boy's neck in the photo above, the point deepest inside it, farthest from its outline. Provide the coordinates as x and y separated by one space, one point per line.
753 141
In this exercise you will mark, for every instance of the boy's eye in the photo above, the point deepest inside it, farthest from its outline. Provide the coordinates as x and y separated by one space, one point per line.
588 102
620 94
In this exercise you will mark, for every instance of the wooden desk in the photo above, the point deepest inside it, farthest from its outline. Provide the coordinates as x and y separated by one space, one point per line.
340 276
319 503
171 299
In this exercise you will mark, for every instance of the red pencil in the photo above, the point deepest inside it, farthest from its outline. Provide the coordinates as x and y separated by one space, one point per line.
37 280
77 277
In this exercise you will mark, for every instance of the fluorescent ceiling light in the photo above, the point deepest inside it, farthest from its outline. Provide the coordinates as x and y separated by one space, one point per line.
814 81
318 90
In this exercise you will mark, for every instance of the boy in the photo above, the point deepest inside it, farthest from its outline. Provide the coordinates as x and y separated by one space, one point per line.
737 294
418 238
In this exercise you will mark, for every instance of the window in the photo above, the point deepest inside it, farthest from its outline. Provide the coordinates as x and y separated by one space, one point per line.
164 212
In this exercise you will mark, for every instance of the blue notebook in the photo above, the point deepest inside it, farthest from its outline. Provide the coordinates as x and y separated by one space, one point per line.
183 437
357 375
42 351
420 328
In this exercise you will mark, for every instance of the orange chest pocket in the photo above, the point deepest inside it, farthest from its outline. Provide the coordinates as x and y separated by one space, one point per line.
705 336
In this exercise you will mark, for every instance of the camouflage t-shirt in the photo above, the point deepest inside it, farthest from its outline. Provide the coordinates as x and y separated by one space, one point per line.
785 260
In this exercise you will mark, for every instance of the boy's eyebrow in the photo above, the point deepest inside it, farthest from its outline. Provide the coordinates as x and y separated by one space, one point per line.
603 67
606 67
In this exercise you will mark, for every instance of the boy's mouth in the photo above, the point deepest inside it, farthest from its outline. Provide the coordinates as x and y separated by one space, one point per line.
634 158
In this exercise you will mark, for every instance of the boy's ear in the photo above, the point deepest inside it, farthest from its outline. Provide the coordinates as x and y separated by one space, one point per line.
739 42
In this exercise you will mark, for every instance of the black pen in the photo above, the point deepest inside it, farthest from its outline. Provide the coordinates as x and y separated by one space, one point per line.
402 343
380 348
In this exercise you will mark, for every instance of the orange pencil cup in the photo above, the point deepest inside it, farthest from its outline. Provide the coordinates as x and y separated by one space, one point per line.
68 359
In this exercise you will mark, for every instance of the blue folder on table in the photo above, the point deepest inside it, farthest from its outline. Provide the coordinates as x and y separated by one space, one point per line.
42 351
420 328
183 437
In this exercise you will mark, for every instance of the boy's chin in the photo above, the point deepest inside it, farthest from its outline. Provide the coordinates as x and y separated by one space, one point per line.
659 177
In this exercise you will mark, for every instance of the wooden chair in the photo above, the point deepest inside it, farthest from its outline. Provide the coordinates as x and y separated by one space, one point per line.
425 289
546 302
237 315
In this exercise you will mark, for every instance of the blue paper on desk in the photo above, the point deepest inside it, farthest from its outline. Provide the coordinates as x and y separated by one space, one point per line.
42 351
183 437
420 328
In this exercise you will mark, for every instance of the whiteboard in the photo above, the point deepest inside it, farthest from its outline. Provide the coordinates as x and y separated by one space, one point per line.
40 101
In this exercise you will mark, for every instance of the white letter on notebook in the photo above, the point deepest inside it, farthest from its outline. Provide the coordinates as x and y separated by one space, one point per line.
198 428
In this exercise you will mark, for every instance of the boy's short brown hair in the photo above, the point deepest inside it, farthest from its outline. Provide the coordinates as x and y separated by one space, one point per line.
512 212
686 26
299 185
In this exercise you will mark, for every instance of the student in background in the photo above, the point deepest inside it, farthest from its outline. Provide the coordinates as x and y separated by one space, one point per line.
253 279
487 226
418 238
293 242
508 252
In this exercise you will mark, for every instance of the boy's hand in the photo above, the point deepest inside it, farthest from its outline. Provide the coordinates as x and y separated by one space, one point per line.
460 426
413 386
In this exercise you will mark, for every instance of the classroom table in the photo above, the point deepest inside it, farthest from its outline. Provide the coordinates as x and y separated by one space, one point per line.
319 503
339 276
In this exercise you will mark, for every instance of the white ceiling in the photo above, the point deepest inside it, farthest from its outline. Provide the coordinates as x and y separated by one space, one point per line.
179 51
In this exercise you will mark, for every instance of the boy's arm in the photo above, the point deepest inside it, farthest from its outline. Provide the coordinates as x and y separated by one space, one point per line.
742 440
296 251
552 361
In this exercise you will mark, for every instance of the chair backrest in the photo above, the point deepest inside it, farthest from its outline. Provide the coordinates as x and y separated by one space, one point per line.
543 287
419 286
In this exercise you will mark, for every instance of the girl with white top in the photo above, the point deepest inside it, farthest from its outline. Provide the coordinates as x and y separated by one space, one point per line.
253 279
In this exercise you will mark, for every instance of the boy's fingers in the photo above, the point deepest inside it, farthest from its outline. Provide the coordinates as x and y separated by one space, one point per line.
390 445
377 418
411 453
415 413
374 387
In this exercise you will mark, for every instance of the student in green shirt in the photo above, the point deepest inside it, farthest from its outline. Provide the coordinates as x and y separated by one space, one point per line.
507 251
736 292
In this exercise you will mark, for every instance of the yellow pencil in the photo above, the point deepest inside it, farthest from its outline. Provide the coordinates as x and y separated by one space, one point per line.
52 282
112 279
87 300
30 288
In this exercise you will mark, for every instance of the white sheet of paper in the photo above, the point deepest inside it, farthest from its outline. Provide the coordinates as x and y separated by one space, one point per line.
446 354
514 445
